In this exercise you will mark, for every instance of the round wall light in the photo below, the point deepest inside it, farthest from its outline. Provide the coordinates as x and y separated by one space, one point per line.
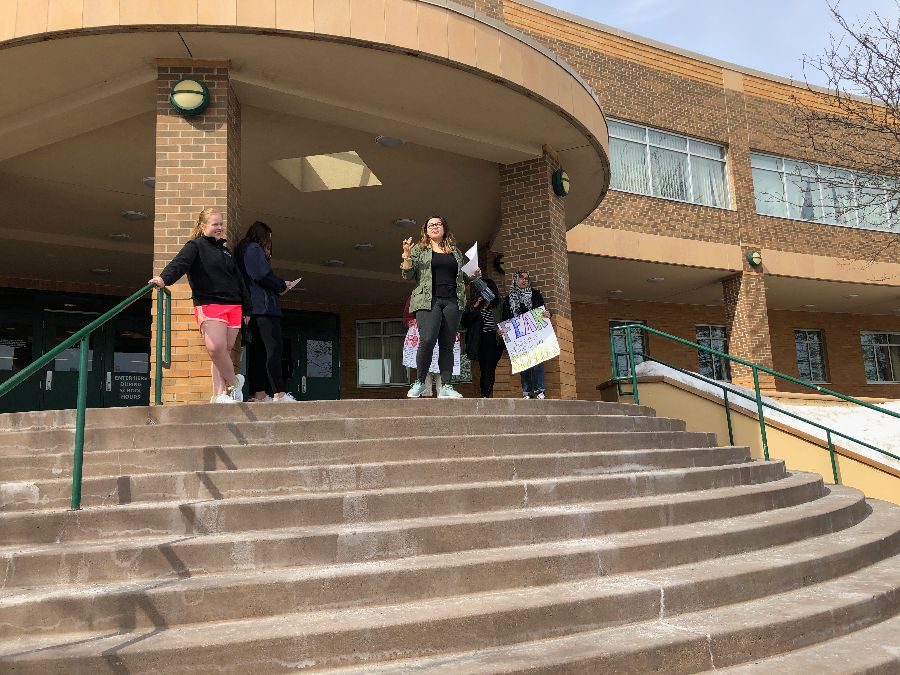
189 97
754 257
149 181
560 182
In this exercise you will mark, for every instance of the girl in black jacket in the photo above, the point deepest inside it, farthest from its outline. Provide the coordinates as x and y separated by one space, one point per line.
264 355
220 298
523 298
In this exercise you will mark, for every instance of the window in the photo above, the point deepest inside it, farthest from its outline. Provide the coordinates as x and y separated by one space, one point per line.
709 365
881 356
810 347
823 194
651 162
620 346
379 353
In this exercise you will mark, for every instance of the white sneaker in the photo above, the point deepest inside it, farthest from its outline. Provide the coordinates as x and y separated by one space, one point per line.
287 398
236 391
540 396
253 399
526 395
223 398
447 391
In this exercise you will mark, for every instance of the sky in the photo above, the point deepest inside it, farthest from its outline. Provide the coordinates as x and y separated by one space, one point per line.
768 35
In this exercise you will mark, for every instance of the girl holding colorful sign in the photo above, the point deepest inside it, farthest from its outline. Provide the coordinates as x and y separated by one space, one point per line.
522 299
436 265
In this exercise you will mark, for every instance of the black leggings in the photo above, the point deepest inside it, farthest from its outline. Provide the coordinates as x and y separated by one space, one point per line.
264 356
437 325
489 353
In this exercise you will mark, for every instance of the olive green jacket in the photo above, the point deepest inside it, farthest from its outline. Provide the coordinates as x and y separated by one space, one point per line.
420 272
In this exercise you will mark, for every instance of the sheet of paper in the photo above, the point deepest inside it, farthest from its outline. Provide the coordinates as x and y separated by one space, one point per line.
293 283
472 265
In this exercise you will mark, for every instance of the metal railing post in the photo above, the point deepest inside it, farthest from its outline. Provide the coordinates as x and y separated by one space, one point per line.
759 411
79 423
163 327
632 366
728 417
612 358
834 471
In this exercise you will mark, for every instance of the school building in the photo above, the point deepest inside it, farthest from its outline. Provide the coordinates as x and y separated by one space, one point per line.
345 124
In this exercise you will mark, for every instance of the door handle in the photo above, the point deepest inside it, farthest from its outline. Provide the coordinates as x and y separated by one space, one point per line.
108 380
49 382
303 384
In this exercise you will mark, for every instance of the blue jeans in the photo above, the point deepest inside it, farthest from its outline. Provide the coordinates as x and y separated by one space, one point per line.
533 379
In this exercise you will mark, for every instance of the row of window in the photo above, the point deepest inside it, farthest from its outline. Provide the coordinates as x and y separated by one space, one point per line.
881 353
656 163
379 353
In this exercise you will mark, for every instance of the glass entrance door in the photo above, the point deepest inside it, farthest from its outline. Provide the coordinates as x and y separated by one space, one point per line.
126 363
315 356
17 350
59 381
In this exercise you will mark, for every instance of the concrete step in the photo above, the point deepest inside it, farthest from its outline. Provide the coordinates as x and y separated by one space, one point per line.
233 515
263 482
169 556
196 599
822 585
811 616
252 412
312 429
874 650
213 457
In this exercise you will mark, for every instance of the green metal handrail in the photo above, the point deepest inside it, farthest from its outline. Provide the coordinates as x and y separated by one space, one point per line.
726 390
163 357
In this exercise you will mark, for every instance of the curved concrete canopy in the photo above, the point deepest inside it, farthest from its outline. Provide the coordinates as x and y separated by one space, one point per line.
465 92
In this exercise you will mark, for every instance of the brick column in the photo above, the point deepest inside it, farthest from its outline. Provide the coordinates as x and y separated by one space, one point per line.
533 231
747 318
197 166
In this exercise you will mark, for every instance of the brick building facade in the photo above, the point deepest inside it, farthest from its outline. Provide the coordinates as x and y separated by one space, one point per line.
514 67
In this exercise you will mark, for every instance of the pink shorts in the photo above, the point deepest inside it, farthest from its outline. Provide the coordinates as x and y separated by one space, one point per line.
230 315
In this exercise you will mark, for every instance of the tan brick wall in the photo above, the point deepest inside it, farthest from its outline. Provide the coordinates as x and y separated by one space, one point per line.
747 321
533 232
650 85
197 166
844 355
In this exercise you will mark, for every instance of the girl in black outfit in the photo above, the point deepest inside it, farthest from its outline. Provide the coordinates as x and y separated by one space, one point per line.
220 298
483 338
266 343
523 298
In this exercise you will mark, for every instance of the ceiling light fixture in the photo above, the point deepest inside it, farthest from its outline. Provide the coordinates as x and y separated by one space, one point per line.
365 246
134 215
389 141
808 306
101 270
149 181
334 262
405 222
615 292
852 295
655 280
120 236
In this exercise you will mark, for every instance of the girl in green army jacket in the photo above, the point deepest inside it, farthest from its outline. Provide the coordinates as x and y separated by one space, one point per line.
435 264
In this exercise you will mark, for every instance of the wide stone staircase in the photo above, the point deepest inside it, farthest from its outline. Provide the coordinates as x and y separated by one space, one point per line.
431 536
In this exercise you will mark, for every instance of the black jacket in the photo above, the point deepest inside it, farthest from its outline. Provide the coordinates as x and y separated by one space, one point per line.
212 273
536 301
261 281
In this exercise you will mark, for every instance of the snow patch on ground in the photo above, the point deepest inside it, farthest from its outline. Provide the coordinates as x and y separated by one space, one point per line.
882 431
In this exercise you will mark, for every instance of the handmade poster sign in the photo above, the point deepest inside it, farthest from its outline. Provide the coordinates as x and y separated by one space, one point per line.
411 346
530 339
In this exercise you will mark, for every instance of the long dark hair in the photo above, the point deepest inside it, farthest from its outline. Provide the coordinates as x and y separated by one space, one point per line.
259 233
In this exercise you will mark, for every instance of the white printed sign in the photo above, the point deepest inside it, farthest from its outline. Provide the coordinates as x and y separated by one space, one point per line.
530 339
411 346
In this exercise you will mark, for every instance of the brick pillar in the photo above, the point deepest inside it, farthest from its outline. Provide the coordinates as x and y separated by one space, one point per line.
533 230
747 319
197 166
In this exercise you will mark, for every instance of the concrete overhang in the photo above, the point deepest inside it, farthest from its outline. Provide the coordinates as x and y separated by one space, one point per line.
428 71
